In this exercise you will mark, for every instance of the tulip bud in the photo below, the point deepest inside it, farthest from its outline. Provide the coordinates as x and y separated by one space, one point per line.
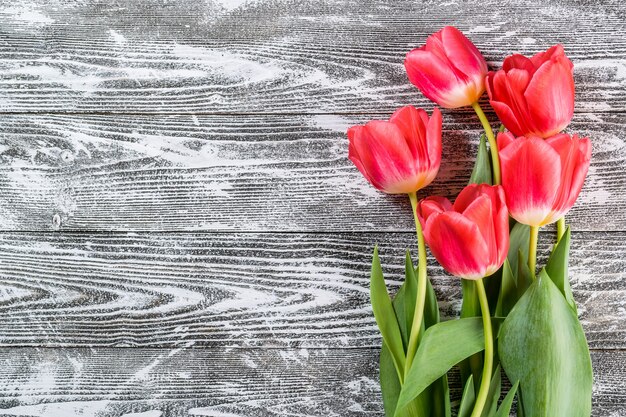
470 239
398 156
534 96
542 178
449 69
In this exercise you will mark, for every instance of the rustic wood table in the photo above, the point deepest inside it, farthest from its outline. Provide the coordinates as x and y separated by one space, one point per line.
181 232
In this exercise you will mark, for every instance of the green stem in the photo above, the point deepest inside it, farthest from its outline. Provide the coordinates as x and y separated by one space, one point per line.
532 250
560 228
495 158
485 380
418 315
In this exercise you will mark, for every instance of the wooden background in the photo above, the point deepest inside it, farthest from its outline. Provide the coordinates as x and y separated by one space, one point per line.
181 232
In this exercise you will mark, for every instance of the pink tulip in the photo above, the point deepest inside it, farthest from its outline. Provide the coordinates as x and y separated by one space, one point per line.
401 155
470 239
534 96
449 69
542 178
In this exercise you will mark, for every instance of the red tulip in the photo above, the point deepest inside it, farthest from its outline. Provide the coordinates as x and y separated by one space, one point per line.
542 178
470 239
449 69
401 155
534 96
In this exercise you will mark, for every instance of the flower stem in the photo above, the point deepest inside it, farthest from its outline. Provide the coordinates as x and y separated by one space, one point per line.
532 250
418 315
560 228
495 158
485 381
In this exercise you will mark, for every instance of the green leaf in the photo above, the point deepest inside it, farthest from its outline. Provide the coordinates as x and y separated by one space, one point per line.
410 294
385 315
505 407
508 291
390 388
470 307
441 398
468 399
481 174
519 238
524 279
461 338
389 382
494 394
431 308
557 267
542 344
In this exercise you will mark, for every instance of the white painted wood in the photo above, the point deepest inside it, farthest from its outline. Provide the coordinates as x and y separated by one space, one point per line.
245 290
202 56
214 382
250 173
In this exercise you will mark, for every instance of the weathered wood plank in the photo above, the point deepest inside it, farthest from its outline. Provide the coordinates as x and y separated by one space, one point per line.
221 56
218 382
242 173
245 290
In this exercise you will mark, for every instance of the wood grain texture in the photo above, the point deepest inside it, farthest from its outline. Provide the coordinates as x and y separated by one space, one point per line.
249 173
213 382
245 290
220 56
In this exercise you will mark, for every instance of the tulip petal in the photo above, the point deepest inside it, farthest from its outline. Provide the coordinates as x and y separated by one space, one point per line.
575 156
435 79
353 154
540 58
457 244
501 222
432 205
433 138
506 115
462 53
409 120
385 155
480 211
531 172
504 139
550 97
518 61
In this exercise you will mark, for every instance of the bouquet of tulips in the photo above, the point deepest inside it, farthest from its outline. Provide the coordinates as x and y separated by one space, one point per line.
514 317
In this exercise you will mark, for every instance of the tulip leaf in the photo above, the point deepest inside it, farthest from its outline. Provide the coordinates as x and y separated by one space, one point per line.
390 388
481 174
542 345
495 387
505 407
461 338
389 381
508 291
410 296
441 398
519 238
470 307
524 279
468 399
404 307
431 308
557 267
385 315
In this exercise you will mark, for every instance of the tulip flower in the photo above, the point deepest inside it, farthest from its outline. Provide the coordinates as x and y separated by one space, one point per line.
542 178
399 156
449 69
470 239
534 96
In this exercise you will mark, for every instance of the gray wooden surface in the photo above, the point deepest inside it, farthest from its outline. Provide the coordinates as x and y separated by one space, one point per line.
181 232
